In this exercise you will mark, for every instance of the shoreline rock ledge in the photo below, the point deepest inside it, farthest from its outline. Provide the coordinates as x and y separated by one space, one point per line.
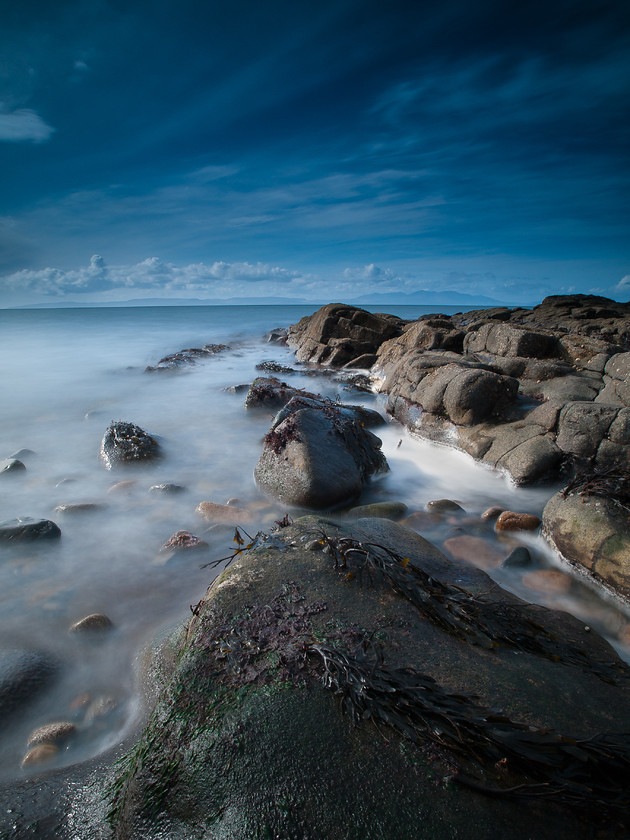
524 390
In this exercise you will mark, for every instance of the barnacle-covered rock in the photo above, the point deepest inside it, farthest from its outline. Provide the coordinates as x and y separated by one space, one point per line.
126 443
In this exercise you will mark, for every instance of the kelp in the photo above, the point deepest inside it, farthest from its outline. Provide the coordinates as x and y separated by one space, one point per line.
589 773
474 619
611 483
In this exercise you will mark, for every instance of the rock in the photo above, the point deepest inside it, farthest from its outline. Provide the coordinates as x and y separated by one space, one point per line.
476 550
96 623
183 541
444 506
582 426
319 456
547 581
492 513
166 489
277 336
101 707
122 486
11 466
126 443
186 357
27 529
509 520
269 392
506 340
237 389
382 510
81 507
41 754
274 367
338 334
223 514
592 533
518 558
51 733
247 694
21 454
23 676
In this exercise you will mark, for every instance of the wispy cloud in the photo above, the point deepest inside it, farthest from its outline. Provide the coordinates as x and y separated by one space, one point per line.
23 125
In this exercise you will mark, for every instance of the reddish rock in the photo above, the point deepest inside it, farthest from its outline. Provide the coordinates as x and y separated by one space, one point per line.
509 520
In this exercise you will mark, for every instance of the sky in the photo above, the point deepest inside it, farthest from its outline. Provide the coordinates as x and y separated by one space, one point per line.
329 150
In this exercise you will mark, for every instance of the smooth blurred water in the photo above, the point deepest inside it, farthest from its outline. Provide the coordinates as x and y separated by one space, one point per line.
65 374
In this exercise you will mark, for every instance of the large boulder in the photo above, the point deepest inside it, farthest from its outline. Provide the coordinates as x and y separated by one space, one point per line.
592 532
318 455
354 684
338 335
126 443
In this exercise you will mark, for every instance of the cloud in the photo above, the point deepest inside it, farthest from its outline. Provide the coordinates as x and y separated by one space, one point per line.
208 280
623 285
23 125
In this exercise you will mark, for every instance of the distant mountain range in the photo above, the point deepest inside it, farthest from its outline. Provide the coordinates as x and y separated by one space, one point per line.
423 297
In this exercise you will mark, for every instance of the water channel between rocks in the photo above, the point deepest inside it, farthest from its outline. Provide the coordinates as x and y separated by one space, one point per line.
67 376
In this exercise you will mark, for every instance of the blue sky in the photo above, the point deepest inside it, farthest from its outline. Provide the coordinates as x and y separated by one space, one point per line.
329 150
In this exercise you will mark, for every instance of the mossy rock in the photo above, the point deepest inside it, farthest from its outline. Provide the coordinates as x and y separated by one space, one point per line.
247 741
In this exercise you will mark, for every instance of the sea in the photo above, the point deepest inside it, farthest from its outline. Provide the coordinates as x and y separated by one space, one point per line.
66 374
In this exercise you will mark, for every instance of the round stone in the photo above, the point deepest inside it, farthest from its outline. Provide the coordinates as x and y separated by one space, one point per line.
94 623
511 521
51 733
40 754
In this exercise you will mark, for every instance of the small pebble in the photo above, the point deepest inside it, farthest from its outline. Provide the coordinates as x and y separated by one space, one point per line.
40 754
511 521
51 733
94 623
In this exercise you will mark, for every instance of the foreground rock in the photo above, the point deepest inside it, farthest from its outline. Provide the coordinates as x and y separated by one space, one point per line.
589 524
524 390
126 443
305 700
318 455
27 529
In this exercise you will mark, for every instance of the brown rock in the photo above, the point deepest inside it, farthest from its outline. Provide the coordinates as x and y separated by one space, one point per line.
509 520
183 540
492 513
40 754
473 550
95 623
51 733
548 581
230 514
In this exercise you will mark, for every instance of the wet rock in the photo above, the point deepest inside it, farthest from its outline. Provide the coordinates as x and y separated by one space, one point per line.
243 697
237 389
23 676
166 489
338 334
510 520
78 507
11 466
122 486
355 382
41 754
382 510
444 506
125 443
547 581
223 514
22 454
101 707
277 336
593 533
27 529
475 550
51 733
518 558
492 513
270 366
270 392
94 624
184 541
186 357
318 456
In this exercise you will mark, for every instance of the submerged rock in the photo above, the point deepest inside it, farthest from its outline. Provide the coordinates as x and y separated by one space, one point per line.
302 701
23 676
318 456
11 466
27 529
126 443
94 624
186 357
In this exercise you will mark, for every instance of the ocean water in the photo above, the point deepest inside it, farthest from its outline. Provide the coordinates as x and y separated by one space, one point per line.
66 374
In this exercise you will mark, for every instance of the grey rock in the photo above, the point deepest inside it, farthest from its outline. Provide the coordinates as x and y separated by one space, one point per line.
26 529
11 466
518 558
23 676
582 425
125 443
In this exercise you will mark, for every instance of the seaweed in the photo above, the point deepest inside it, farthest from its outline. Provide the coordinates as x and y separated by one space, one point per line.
458 612
592 773
611 483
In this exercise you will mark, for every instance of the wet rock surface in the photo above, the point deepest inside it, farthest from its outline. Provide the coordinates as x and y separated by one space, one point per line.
23 676
525 390
186 357
319 454
26 529
125 443
286 672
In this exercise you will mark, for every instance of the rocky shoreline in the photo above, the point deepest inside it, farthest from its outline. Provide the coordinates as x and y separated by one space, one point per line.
344 677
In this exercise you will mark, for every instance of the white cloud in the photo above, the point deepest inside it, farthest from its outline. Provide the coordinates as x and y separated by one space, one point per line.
23 125
624 284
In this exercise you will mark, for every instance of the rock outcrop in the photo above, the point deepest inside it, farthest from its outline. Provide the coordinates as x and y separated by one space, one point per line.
326 689
126 443
525 390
